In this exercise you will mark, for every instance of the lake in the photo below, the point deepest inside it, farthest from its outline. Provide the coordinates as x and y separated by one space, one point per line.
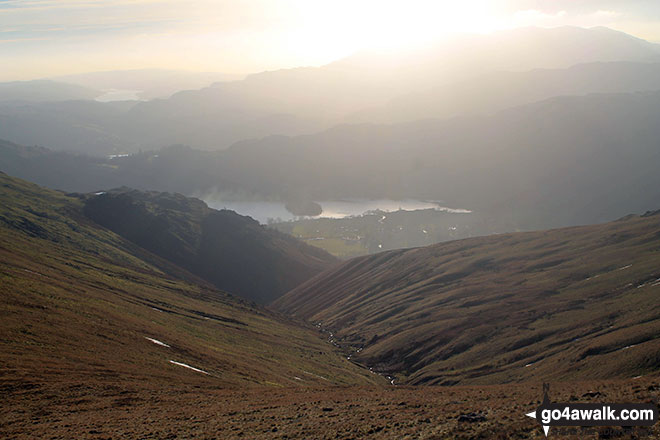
262 211
111 95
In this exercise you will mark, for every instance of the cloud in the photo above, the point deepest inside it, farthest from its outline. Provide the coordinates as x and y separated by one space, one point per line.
535 17
607 14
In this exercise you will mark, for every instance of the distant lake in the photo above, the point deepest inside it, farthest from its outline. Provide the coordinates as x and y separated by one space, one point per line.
262 211
110 95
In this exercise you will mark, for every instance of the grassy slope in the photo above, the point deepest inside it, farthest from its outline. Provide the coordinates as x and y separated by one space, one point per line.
571 303
78 301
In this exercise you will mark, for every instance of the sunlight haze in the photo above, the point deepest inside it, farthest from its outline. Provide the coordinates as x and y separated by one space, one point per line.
43 38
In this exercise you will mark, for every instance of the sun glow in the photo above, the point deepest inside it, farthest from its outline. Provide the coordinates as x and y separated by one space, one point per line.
253 35
336 28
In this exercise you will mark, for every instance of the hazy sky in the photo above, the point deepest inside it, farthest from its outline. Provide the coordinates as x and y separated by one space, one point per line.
40 38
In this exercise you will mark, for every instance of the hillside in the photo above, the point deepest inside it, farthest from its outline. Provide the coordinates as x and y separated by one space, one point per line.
566 304
78 304
233 252
84 310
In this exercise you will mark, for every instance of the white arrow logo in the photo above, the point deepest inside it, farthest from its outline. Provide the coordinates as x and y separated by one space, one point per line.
546 428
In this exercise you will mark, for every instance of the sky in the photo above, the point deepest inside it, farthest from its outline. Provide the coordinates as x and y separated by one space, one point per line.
43 38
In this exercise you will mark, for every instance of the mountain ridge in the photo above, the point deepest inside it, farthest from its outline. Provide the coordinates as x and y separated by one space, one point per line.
233 252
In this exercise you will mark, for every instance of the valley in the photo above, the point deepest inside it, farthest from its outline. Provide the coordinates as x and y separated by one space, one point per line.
560 304
376 231
68 318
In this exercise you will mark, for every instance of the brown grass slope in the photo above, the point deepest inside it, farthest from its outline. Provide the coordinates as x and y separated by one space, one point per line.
573 303
78 302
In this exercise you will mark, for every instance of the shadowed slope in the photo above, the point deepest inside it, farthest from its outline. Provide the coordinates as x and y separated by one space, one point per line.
569 303
232 251
79 304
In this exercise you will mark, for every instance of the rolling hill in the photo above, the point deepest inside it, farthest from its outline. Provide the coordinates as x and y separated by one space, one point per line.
232 251
566 304
86 310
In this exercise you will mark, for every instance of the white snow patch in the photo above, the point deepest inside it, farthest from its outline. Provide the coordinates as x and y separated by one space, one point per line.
530 364
181 364
157 342
31 271
625 267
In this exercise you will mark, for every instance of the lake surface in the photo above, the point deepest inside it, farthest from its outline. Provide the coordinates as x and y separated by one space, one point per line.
263 211
110 95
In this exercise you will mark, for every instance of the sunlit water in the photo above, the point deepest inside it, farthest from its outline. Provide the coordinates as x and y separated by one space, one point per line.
110 95
264 211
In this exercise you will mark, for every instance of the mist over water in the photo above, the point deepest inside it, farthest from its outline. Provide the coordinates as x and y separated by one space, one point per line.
263 211
111 95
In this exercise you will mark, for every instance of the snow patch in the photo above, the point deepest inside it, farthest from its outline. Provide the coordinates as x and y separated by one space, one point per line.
181 364
157 342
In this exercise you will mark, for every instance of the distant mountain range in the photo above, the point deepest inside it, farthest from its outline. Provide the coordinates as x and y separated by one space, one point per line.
467 75
566 304
558 162
496 91
148 83
562 161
